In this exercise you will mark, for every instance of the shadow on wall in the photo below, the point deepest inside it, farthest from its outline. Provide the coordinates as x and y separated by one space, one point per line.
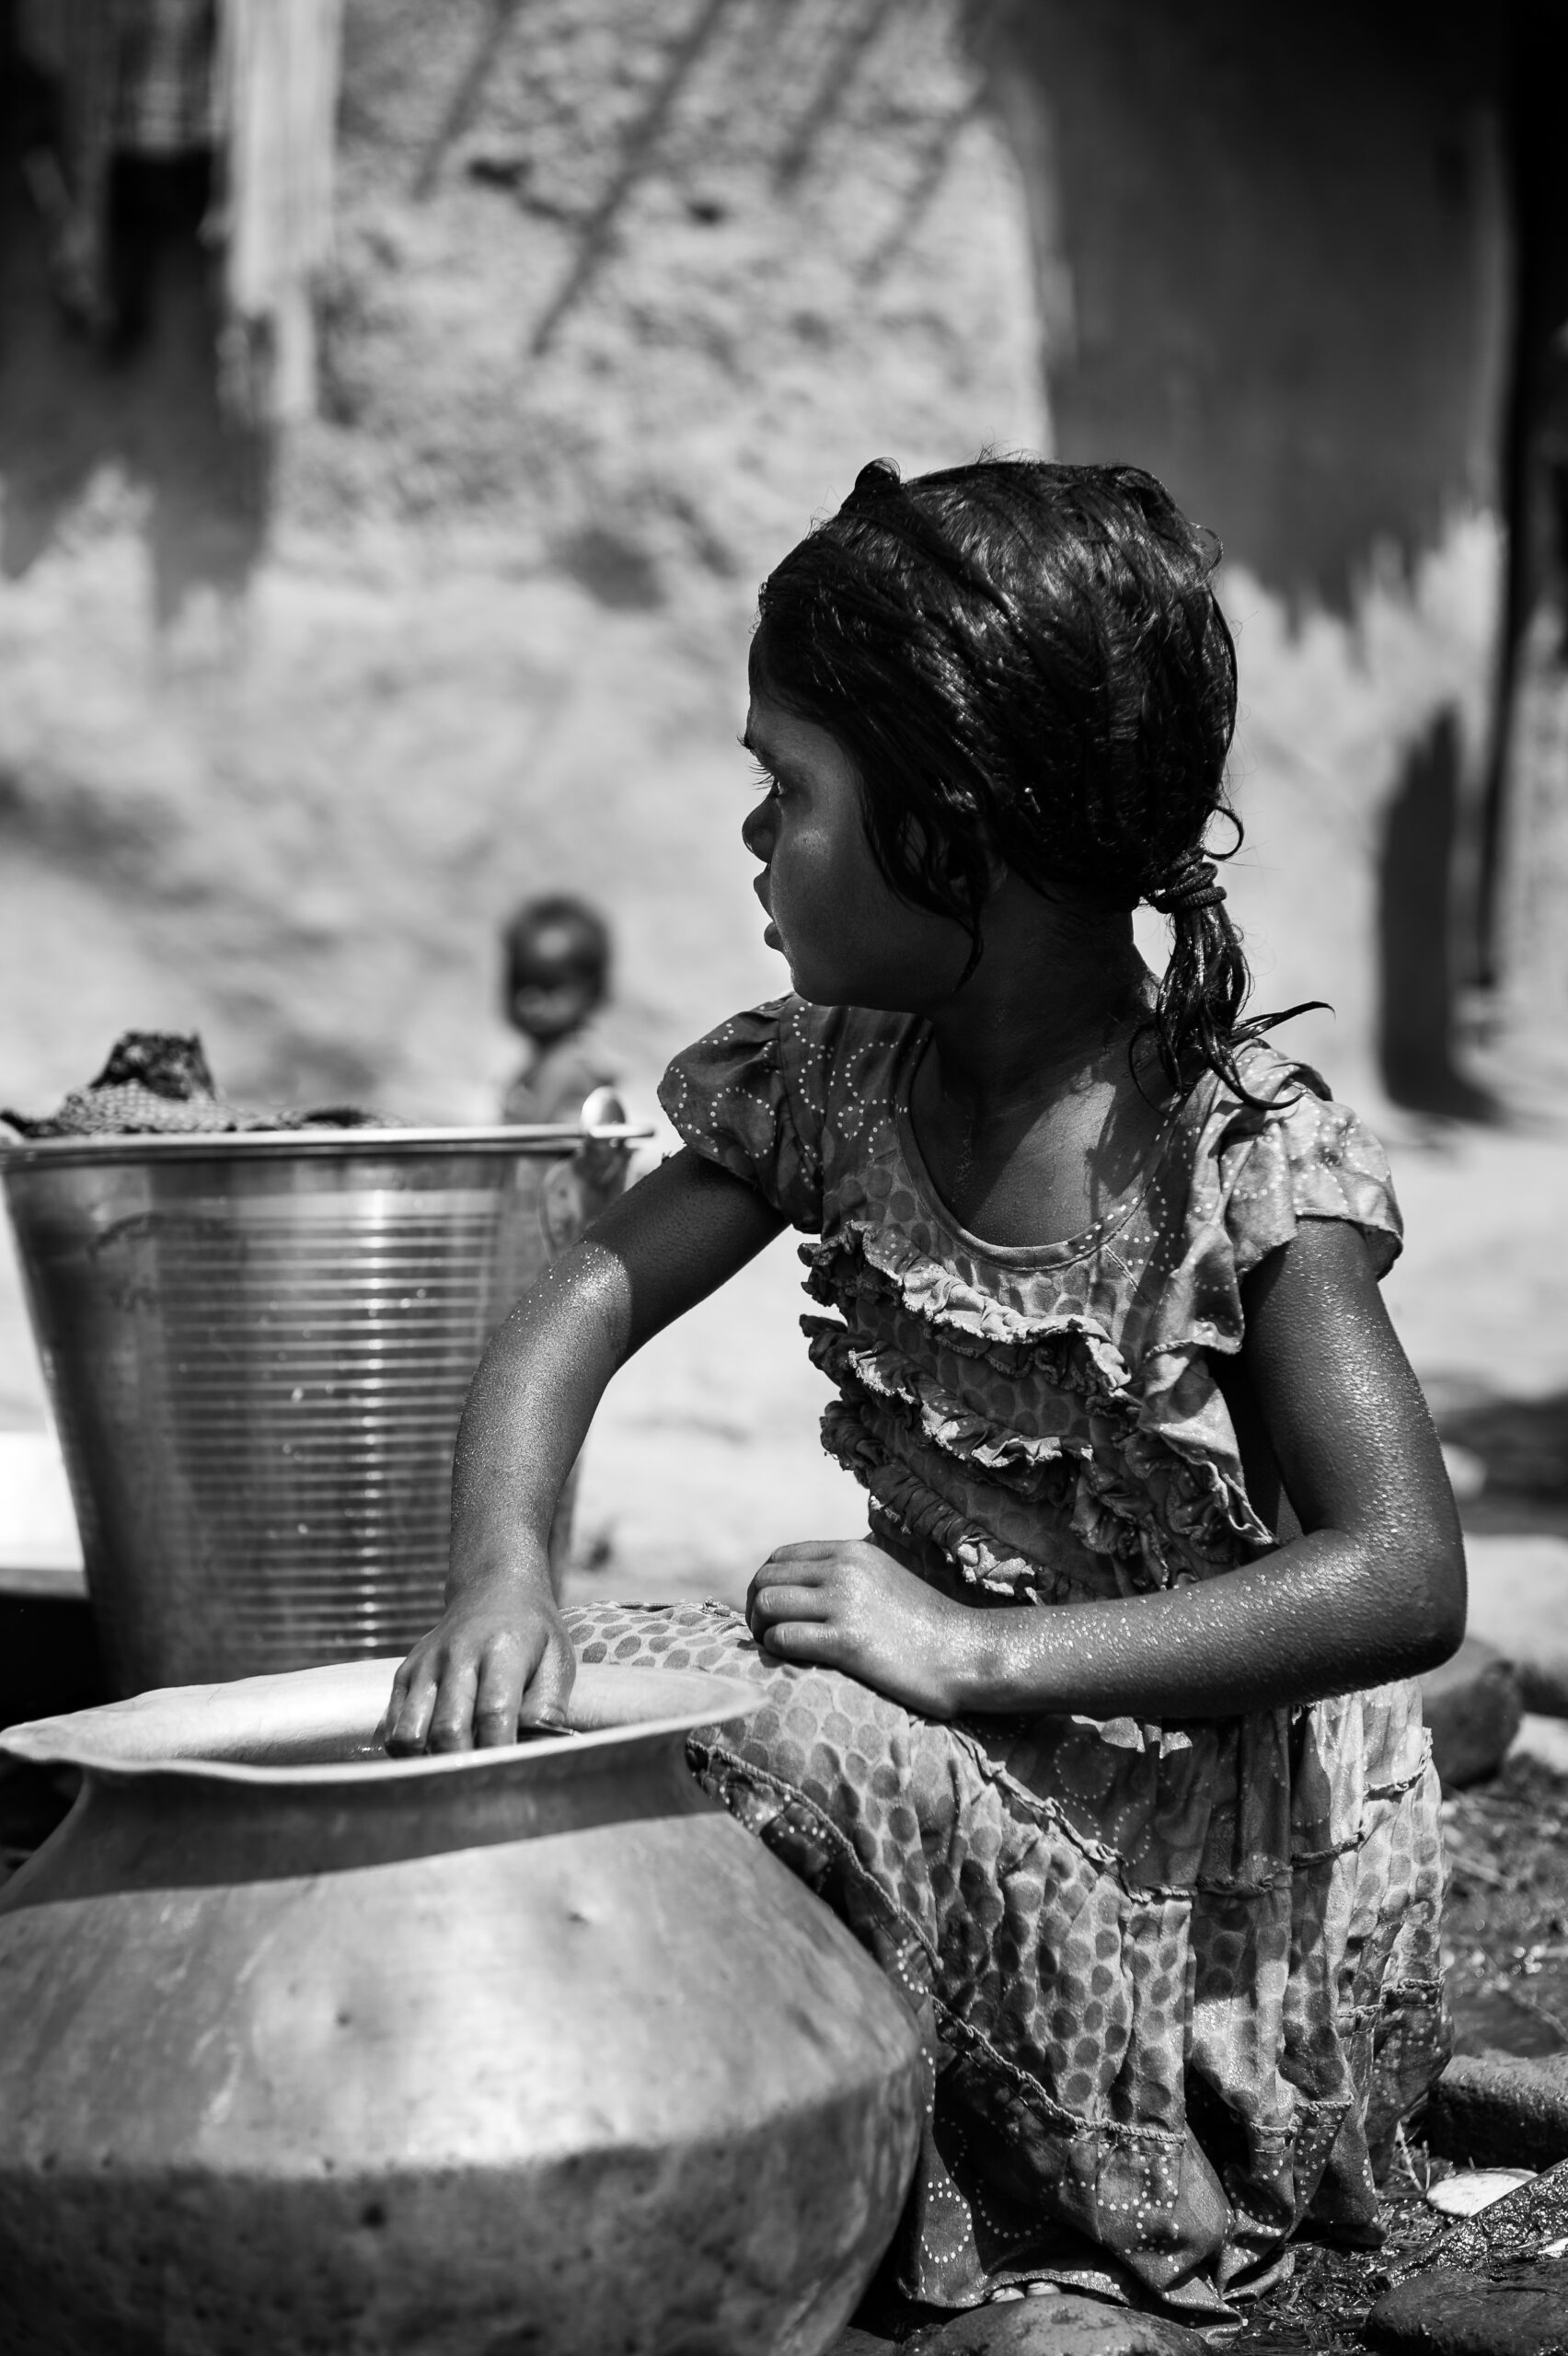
817 92
144 403
1418 983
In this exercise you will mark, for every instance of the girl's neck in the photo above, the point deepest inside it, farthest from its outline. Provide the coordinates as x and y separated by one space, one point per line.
1027 1109
1058 990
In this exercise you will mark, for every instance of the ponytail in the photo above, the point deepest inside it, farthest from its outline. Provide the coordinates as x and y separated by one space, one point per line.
1196 1018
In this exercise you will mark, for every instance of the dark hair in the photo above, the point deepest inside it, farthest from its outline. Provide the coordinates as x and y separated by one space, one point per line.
1028 662
586 939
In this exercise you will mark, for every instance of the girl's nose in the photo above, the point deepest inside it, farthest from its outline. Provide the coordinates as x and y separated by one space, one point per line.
757 831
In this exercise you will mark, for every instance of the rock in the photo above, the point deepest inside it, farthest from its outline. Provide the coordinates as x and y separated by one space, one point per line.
1494 2285
1472 1707
1067 2326
1446 2312
1543 1740
853 2342
1498 2109
1473 2189
1518 1603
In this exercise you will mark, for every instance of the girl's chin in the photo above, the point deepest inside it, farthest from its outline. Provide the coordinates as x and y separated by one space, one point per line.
821 979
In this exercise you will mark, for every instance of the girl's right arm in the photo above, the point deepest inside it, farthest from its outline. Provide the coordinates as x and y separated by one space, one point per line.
500 1653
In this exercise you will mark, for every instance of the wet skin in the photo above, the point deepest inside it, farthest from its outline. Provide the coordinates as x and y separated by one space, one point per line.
1031 1120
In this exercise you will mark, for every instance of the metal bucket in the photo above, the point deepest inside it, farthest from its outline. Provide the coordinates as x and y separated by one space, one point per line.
257 1348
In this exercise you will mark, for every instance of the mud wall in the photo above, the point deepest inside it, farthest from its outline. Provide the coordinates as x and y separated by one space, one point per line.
620 301
621 298
1273 250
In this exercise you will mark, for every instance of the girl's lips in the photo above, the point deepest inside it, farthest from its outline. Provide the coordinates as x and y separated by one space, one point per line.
771 935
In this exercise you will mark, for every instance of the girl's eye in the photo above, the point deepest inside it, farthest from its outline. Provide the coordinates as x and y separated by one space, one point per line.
764 782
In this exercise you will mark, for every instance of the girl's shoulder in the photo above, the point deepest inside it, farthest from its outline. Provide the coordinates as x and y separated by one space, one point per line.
1287 1150
758 1094
788 1047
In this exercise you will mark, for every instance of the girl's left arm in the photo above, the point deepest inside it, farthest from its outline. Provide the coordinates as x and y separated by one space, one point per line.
1372 1590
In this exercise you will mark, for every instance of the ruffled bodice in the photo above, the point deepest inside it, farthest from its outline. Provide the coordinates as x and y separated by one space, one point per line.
1041 1423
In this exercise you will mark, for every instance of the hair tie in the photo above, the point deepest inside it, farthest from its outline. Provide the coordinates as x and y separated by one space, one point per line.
873 482
1191 884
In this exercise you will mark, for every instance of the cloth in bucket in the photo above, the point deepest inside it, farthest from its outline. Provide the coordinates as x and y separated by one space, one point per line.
159 1083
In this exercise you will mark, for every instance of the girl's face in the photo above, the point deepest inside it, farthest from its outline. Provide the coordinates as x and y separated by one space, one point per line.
849 940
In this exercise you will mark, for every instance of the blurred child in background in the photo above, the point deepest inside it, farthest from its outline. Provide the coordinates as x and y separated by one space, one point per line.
558 973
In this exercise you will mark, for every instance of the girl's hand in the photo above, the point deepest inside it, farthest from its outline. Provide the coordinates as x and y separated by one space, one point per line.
499 1658
844 1603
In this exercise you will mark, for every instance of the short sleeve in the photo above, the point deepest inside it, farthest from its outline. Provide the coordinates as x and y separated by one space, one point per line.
1255 1173
1306 1157
737 1100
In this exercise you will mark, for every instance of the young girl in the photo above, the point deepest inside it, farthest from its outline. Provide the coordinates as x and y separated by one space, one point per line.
1103 1738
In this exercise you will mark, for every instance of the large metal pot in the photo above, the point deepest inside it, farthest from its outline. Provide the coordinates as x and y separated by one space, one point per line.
528 2053
258 1347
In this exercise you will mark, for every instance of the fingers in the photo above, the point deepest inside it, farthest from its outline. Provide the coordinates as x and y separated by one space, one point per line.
792 1570
790 1602
463 1690
405 1725
452 1720
547 1695
814 1641
431 1706
498 1694
396 1701
801 1553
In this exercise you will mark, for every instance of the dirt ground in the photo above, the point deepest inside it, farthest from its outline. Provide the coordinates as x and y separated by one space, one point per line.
1505 1953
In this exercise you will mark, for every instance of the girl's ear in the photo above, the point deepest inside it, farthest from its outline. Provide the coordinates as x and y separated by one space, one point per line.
974 875
966 872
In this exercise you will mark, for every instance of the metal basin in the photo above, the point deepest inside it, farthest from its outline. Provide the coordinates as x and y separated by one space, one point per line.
524 2052
258 1349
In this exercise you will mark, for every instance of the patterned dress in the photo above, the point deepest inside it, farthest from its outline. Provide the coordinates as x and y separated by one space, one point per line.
1178 1982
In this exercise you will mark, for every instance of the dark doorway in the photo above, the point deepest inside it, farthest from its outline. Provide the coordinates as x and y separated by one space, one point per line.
141 393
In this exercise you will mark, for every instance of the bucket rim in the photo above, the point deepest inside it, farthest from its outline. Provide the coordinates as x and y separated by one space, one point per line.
554 1140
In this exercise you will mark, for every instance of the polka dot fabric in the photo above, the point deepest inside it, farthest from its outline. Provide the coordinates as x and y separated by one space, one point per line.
1167 2003
1178 1984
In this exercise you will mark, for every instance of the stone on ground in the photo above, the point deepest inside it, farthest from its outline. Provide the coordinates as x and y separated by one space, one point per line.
1447 2312
1470 2191
1067 2326
1543 1740
1518 1602
1473 1707
1501 2109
